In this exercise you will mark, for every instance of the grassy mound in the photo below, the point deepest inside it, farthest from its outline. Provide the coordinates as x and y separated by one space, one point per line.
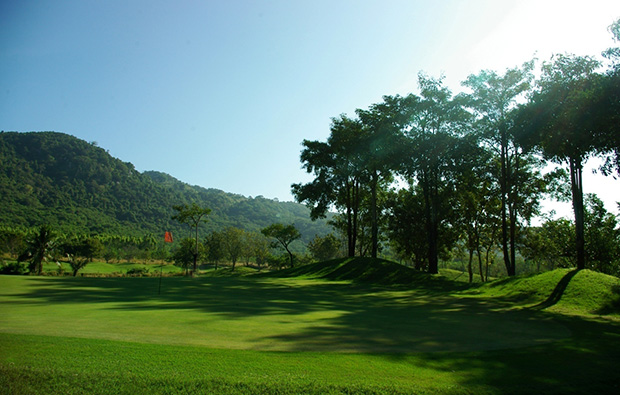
355 269
562 290
367 270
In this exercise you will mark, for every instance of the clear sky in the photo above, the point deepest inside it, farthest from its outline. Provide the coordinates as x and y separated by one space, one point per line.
221 93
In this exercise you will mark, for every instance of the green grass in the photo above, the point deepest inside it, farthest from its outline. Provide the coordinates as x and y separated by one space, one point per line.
565 291
327 328
103 268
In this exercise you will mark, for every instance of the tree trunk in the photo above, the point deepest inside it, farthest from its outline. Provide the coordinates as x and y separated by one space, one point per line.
480 269
290 254
577 193
349 213
196 251
432 225
373 215
469 266
507 218
356 205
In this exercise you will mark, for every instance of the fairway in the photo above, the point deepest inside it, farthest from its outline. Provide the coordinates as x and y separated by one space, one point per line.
298 332
265 314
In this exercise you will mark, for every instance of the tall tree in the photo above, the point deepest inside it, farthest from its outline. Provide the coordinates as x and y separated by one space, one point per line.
284 235
493 98
435 120
560 119
477 201
382 124
608 104
192 215
337 167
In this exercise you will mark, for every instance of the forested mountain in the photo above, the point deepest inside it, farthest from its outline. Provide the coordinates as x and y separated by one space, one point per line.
76 186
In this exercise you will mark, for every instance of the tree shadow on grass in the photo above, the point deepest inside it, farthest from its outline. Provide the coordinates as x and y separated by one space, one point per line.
586 363
558 291
613 306
315 315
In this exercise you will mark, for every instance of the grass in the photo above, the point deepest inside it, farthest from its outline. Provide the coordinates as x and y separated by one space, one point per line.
104 268
327 328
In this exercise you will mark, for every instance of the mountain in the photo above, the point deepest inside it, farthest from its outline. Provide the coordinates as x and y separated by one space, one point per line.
76 186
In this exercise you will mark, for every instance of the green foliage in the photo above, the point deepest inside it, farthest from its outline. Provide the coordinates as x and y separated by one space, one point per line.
602 236
12 268
12 240
284 235
40 248
192 215
76 263
138 271
78 188
234 244
183 256
325 248
552 245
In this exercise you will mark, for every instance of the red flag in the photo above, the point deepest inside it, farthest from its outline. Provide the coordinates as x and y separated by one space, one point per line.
168 237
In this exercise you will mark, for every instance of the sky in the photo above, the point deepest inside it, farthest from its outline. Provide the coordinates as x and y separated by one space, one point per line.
222 93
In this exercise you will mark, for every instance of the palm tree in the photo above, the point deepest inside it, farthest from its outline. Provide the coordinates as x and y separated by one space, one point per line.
39 249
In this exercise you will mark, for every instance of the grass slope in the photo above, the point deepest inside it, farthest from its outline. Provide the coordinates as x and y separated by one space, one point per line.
565 291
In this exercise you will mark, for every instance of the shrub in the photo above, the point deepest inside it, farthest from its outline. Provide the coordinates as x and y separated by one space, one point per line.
138 271
12 268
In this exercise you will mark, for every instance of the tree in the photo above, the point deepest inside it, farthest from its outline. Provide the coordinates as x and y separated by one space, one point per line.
324 248
338 170
185 254
607 104
493 99
382 124
215 247
406 225
551 244
12 240
257 246
77 263
602 237
560 120
435 121
477 201
233 244
39 248
192 215
284 235
85 247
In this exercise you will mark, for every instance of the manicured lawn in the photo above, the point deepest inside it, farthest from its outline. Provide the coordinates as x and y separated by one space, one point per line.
297 335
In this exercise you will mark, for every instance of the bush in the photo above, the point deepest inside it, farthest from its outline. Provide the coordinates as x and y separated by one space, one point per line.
138 271
12 268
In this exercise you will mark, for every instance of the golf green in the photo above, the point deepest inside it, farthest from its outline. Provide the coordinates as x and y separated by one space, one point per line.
267 314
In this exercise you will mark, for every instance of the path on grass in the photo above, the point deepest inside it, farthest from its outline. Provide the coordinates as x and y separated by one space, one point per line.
267 314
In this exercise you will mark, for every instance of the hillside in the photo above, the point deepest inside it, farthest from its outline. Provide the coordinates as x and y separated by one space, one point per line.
76 186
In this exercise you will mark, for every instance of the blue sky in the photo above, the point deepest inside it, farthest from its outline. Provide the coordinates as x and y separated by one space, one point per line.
221 93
